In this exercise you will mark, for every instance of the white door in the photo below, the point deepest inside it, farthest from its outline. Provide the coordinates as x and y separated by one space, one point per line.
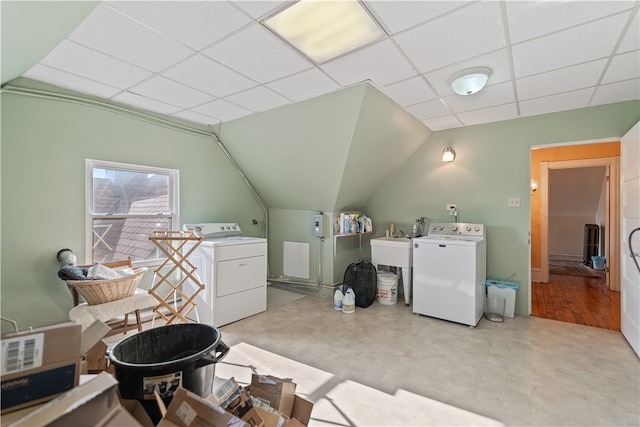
630 221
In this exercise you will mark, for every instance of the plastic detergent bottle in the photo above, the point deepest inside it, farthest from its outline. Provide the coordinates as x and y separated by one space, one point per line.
337 299
414 232
349 302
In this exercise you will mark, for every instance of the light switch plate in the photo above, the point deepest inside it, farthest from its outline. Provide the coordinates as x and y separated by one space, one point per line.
514 202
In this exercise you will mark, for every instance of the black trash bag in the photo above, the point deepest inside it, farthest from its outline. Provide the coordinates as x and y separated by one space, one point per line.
362 278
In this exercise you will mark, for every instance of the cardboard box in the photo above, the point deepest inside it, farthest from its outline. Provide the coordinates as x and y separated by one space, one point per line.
87 404
39 365
232 398
128 413
94 349
138 413
279 392
187 409
301 412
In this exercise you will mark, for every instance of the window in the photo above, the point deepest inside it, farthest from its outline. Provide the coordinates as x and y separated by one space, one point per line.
125 205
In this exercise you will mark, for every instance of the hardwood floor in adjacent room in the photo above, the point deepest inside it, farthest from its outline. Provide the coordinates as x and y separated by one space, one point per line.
574 299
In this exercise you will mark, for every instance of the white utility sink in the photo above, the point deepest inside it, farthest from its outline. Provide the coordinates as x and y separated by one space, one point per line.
396 252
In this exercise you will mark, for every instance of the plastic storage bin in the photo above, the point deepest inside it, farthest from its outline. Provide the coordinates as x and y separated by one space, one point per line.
506 290
598 262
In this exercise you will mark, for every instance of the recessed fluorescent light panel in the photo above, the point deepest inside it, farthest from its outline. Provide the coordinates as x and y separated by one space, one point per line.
323 30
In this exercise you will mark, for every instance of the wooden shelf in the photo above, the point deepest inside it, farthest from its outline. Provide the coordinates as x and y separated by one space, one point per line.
353 234
335 237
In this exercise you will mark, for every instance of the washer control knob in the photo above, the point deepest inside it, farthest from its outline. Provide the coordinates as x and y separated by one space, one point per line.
454 228
468 228
222 227
441 227
433 228
477 229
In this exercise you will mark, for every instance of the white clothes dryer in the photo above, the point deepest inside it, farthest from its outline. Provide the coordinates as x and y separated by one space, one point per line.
233 269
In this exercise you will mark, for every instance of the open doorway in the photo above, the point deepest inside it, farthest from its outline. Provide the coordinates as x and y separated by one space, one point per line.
577 185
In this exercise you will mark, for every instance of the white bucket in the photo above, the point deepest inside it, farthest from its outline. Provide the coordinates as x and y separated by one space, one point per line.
387 288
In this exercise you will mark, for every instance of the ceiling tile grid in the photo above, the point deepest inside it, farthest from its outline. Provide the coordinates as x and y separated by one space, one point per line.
210 62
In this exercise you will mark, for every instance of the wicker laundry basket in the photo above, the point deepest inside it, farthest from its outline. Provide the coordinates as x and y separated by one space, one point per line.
102 291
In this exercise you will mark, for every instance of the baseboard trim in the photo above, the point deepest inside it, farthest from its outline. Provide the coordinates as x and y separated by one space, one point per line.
536 275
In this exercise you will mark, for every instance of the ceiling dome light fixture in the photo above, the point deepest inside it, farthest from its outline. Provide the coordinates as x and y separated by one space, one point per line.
448 155
470 81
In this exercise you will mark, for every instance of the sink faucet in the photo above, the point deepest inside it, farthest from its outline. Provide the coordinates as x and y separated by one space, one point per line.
399 233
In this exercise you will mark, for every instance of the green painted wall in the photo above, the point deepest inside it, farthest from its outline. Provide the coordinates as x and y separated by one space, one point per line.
45 144
44 147
492 164
331 154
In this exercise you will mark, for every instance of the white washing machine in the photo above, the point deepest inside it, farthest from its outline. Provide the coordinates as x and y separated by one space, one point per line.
449 272
233 269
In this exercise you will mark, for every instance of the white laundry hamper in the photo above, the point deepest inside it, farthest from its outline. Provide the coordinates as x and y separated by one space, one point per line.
387 284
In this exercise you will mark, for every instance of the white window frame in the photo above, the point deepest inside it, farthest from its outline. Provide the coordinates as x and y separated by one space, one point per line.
174 201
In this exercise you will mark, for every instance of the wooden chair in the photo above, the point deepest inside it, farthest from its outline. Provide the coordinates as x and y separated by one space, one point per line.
117 325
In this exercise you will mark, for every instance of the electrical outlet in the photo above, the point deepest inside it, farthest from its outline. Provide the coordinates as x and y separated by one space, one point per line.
451 206
514 202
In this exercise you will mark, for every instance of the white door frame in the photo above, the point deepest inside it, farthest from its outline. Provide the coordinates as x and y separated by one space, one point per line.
612 221
630 218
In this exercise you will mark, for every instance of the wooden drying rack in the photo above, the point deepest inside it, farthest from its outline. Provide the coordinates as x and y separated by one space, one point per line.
171 243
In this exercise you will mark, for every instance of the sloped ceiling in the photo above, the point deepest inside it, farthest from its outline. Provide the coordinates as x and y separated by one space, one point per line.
29 33
331 153
575 191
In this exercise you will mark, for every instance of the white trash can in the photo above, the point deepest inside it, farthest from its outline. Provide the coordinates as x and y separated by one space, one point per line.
506 290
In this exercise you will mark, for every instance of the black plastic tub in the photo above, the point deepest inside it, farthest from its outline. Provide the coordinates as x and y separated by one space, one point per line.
165 358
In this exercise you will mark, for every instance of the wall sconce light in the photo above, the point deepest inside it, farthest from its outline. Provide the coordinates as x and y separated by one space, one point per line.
534 184
448 155
470 81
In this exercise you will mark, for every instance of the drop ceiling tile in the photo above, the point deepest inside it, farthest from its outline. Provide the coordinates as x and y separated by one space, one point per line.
258 99
261 8
563 80
194 117
397 16
222 109
305 85
623 67
617 92
202 73
465 33
165 90
497 61
631 40
427 110
69 81
79 60
381 63
489 115
579 44
555 103
501 93
194 23
411 91
529 19
258 54
144 103
110 32
442 123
